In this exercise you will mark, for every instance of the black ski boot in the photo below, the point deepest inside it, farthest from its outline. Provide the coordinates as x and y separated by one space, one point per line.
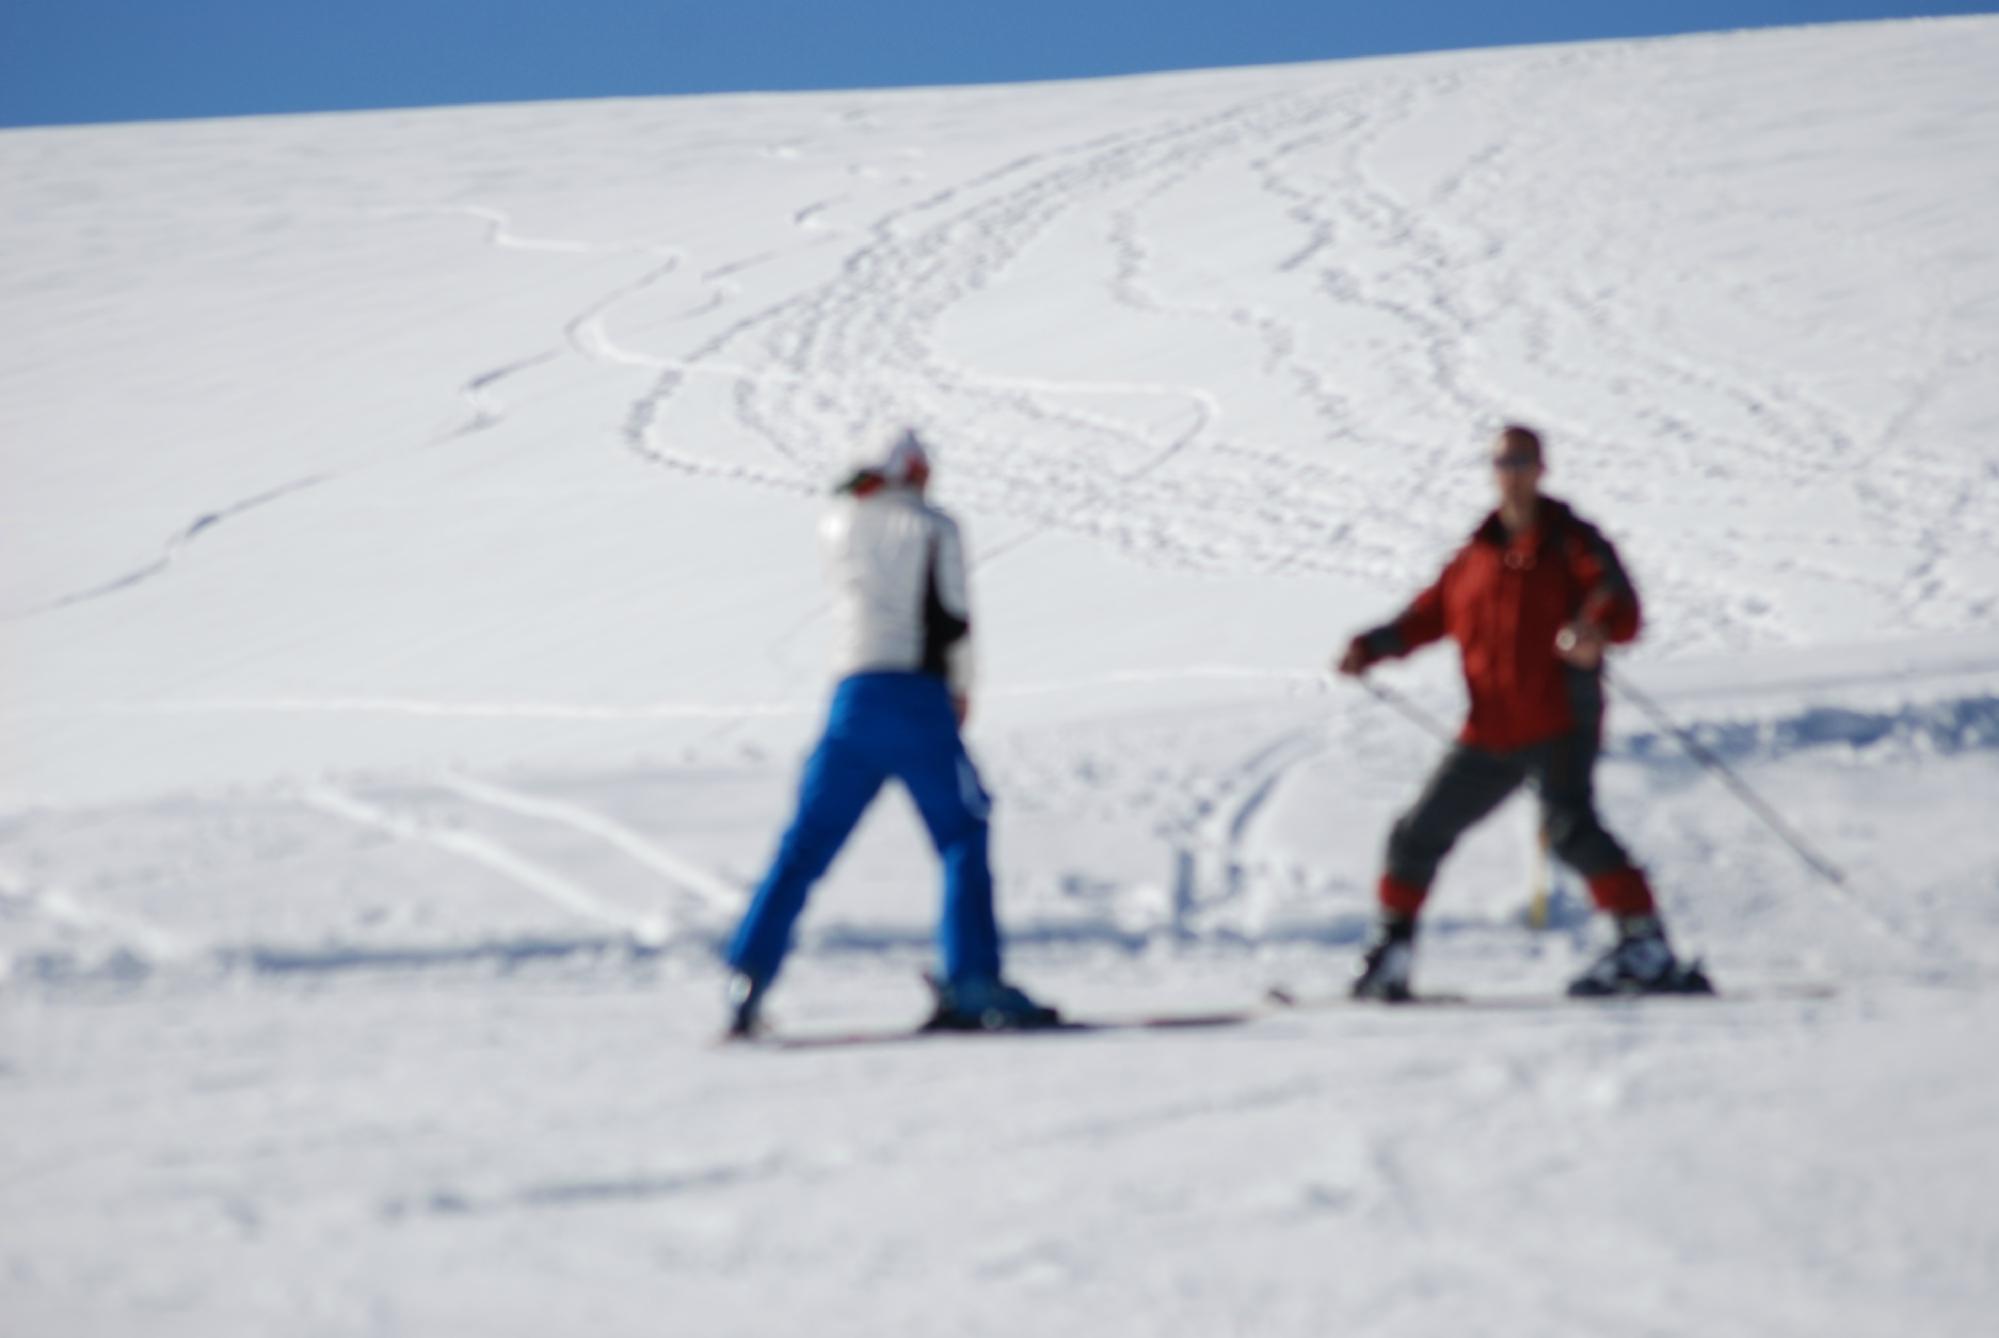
1640 962
1390 958
745 998
986 1003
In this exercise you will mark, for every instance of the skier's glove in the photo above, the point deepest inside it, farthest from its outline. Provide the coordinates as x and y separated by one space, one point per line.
1356 659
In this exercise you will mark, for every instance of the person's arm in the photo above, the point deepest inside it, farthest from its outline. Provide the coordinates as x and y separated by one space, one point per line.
947 615
1415 627
1610 613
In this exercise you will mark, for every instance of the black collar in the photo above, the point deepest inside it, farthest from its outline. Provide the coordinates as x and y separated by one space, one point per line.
1550 520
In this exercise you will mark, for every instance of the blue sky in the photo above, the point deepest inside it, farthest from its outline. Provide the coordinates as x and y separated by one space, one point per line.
119 60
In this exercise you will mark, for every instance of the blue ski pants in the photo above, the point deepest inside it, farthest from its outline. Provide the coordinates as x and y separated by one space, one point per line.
882 725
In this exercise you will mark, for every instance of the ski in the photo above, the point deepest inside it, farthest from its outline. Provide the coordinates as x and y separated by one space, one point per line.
1282 997
1278 1000
870 1036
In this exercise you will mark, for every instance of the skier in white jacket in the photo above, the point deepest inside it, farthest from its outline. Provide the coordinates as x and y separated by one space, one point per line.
903 664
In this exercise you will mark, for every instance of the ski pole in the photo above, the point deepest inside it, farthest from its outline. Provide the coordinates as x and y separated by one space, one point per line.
1707 758
1405 708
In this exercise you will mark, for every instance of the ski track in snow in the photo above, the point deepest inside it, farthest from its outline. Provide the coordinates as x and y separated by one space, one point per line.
175 549
873 318
122 943
583 334
716 896
557 889
1209 872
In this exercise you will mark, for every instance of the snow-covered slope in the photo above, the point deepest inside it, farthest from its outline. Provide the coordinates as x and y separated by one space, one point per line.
409 627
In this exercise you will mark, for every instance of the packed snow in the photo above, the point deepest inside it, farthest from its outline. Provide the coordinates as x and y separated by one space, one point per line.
411 626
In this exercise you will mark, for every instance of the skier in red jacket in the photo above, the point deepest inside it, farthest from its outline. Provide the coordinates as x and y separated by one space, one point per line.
1532 600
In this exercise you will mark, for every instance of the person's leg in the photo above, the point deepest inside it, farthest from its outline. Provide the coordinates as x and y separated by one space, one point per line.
956 811
1564 770
931 760
1466 786
839 782
1641 960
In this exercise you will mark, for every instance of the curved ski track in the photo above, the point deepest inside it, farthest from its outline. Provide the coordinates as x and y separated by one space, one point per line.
485 411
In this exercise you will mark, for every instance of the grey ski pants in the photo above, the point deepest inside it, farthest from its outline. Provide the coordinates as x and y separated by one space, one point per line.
1471 782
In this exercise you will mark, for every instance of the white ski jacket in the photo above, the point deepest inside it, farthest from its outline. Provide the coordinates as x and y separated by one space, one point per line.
900 598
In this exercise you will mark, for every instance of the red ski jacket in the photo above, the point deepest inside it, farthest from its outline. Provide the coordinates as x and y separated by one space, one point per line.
1503 600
